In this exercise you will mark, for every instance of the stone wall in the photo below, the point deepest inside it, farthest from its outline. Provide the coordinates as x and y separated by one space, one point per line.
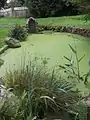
69 29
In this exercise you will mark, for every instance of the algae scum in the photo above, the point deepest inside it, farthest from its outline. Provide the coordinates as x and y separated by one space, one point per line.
53 46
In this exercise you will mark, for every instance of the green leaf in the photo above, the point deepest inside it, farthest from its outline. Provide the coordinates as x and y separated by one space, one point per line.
66 86
68 65
67 58
62 90
23 95
62 67
46 103
34 118
73 50
81 58
31 118
49 98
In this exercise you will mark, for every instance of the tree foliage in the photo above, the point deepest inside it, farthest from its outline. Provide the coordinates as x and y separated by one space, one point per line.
84 6
45 8
2 3
17 3
82 2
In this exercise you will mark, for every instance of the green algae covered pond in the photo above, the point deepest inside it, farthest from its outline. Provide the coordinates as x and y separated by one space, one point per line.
53 46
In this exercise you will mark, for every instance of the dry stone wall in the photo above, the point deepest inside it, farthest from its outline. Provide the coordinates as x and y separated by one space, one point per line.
69 29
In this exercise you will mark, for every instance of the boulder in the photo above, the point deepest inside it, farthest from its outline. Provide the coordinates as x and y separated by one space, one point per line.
8 101
5 93
12 42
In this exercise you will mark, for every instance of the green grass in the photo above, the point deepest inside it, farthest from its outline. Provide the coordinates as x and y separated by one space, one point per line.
77 21
6 24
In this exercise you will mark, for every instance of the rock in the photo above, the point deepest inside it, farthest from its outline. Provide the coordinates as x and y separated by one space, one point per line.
12 42
8 101
1 62
5 93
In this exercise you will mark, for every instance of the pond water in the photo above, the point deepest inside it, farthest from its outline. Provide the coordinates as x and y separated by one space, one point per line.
53 46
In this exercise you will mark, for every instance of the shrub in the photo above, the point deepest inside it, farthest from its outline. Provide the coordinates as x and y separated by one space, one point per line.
45 90
87 17
39 29
18 32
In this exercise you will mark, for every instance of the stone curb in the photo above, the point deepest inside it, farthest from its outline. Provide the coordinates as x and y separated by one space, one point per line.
3 49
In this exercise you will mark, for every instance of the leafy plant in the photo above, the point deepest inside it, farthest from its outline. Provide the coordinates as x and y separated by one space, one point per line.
87 17
72 69
18 32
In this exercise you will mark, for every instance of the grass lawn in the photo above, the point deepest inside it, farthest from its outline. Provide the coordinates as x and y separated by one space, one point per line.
7 23
78 21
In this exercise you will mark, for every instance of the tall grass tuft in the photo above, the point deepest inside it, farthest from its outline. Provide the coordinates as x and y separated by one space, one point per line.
45 90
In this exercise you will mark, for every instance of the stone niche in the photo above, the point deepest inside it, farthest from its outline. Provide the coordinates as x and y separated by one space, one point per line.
31 24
